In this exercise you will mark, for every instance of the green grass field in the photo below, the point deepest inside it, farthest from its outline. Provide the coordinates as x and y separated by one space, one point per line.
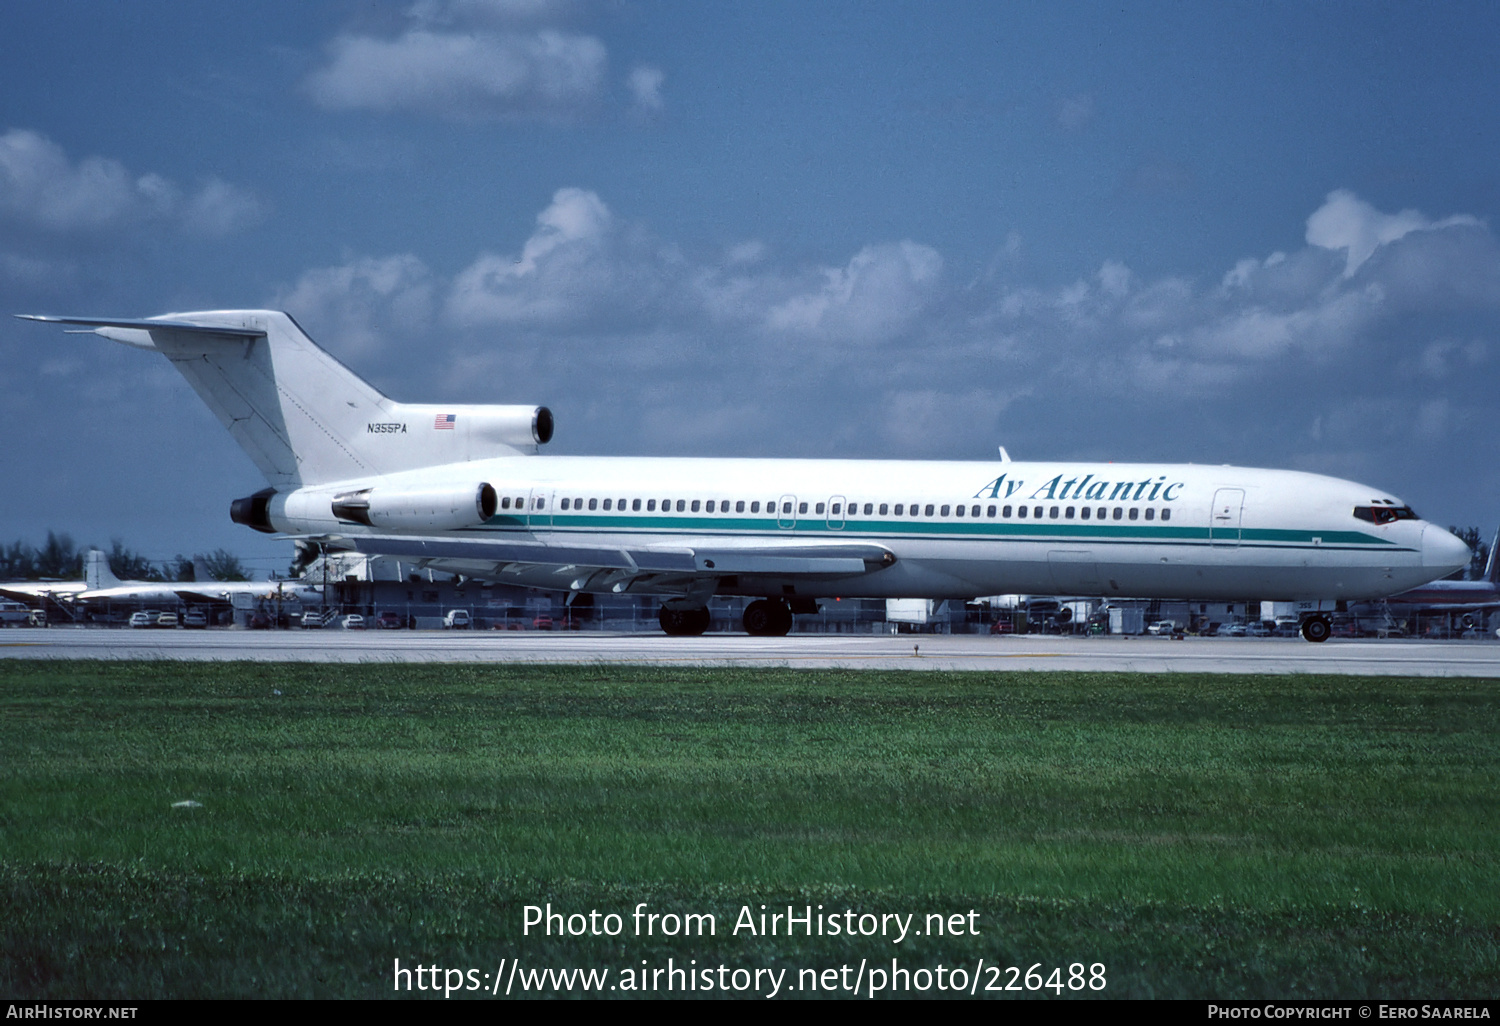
1200 836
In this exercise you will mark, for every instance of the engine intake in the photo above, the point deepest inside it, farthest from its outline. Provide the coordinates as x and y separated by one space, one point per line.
442 509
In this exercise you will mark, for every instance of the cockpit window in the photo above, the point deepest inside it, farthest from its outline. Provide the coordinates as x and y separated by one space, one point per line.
1385 514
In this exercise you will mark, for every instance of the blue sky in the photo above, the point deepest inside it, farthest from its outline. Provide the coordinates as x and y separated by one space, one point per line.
1250 233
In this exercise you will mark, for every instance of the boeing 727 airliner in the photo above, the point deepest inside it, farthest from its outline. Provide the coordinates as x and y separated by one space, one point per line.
462 489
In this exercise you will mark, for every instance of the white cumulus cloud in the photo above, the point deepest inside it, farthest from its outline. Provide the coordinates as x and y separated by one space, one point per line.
358 306
42 188
466 75
1346 222
872 298
645 87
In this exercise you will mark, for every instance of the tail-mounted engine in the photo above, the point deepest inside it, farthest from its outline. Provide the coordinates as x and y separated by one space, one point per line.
440 509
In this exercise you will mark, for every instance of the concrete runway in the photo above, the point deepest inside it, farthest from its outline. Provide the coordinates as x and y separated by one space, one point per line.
907 652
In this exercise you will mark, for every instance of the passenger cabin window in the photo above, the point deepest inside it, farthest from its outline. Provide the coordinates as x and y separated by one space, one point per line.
818 509
990 512
899 508
1021 512
606 505
695 506
1084 512
1166 514
635 505
505 502
943 513
801 507
593 504
1135 514
1119 513
739 507
929 509
1150 514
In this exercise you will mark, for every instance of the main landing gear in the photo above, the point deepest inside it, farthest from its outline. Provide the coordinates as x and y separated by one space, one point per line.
690 621
765 618
1317 628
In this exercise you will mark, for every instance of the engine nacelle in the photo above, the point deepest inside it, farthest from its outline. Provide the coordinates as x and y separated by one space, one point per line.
254 511
438 509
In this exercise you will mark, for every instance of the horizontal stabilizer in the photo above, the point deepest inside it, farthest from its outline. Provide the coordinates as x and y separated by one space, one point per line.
147 324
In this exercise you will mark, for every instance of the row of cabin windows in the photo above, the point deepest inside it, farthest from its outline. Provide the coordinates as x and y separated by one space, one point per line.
870 509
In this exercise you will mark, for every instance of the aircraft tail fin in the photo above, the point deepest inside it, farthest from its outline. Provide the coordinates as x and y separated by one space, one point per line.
302 416
1492 565
96 571
200 569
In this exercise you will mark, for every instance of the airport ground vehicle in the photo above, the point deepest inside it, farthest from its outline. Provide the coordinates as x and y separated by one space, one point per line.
1162 627
462 488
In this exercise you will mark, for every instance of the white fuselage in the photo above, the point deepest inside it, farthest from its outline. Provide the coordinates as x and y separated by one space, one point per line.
954 529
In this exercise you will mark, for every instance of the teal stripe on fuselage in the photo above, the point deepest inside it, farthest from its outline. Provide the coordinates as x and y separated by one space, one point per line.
1138 532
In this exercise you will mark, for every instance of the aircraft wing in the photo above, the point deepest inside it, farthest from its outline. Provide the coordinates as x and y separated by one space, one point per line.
823 560
32 592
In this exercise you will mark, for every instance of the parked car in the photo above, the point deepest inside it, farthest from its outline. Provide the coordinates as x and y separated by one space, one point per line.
1257 630
168 620
1162 627
389 621
542 623
312 620
457 619
1234 630
195 618
142 619
259 621
353 622
38 618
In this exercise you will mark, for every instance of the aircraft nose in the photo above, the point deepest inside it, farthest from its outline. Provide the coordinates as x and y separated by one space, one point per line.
1442 551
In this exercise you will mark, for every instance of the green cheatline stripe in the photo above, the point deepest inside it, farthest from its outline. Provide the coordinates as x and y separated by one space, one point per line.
1138 531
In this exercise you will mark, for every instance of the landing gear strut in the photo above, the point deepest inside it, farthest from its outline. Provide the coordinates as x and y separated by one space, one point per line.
691 621
767 619
1317 628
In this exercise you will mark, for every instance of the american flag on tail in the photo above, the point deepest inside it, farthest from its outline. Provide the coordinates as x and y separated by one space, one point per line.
445 421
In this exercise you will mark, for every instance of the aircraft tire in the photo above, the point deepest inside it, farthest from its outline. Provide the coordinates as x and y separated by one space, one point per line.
767 619
1316 628
684 622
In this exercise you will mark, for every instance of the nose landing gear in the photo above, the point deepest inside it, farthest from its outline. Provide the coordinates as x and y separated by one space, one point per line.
1317 628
